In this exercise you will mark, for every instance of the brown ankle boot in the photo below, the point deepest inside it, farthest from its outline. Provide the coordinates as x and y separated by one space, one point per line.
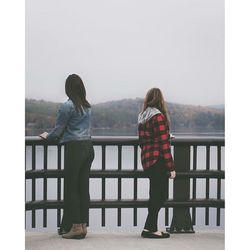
84 228
76 232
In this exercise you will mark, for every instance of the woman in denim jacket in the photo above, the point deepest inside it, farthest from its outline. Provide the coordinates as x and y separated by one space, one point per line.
73 130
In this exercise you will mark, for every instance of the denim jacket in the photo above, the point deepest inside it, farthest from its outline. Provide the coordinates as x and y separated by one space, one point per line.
71 125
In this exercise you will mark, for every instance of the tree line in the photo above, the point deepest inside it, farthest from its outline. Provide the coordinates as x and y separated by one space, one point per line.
41 115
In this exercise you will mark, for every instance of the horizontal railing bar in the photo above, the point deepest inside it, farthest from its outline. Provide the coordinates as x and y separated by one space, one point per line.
133 140
53 173
141 203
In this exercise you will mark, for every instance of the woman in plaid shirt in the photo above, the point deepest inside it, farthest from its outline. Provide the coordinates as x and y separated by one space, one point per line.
156 158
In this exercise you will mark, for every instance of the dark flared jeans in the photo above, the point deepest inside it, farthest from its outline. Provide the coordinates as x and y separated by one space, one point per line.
78 157
158 176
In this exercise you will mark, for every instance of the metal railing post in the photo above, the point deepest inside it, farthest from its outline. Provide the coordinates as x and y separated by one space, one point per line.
181 222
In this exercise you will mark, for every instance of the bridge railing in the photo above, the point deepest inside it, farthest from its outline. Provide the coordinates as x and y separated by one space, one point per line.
183 198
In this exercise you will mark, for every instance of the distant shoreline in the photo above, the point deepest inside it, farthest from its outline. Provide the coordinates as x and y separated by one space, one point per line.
127 132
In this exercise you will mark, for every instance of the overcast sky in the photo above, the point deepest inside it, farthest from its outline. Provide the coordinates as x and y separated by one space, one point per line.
121 48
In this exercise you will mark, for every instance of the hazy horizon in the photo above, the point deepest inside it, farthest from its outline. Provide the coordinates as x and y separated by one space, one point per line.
123 48
128 98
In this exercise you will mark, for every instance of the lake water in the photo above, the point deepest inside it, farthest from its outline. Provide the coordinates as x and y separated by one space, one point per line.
127 189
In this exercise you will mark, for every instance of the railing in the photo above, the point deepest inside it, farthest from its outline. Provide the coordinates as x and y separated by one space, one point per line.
183 149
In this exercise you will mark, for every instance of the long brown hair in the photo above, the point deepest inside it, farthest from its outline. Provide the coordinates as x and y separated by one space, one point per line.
154 99
76 92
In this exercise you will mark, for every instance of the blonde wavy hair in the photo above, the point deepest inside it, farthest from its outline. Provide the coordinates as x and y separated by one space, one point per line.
154 98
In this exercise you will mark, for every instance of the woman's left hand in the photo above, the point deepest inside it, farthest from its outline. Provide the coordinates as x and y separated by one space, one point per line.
172 174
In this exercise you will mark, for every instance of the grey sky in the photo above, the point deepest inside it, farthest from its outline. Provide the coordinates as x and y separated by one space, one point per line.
121 48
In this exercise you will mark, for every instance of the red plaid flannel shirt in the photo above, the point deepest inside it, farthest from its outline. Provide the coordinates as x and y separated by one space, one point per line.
154 142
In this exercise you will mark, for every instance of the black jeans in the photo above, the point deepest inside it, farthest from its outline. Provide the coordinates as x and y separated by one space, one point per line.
158 175
78 157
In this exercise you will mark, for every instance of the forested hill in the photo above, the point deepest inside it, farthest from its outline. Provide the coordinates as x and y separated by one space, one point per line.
122 114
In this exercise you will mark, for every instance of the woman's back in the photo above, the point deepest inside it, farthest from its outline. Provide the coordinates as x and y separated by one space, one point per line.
71 125
78 126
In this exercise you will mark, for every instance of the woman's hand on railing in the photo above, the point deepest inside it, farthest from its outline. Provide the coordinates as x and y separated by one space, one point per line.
44 135
172 174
